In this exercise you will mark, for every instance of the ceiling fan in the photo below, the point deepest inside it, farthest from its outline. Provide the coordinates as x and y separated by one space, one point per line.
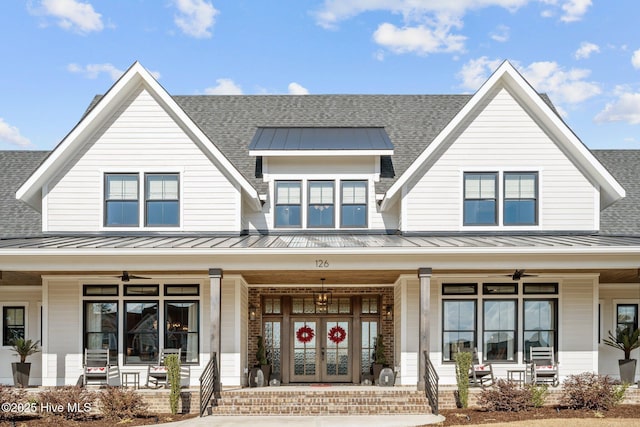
125 276
519 274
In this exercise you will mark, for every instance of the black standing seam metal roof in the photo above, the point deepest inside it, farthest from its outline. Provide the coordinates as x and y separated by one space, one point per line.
312 139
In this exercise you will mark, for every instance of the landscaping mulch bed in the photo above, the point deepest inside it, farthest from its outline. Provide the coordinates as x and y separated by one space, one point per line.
50 421
456 417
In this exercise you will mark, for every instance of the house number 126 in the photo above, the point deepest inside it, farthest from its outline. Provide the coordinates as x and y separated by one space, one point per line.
322 263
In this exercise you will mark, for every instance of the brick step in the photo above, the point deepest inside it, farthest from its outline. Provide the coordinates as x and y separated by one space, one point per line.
321 402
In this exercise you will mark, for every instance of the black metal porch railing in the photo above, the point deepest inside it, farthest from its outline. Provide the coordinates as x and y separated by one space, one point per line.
431 379
209 385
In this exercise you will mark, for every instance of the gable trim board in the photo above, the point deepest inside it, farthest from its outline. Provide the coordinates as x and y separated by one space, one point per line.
133 78
506 74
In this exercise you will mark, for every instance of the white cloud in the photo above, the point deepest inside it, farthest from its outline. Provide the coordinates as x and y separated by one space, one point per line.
475 72
574 10
586 49
562 86
92 71
72 15
297 89
224 87
420 39
635 59
11 135
196 17
427 24
501 34
624 109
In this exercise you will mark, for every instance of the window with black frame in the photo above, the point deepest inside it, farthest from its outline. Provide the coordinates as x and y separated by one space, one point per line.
182 328
101 327
13 324
499 341
540 324
141 331
626 317
459 327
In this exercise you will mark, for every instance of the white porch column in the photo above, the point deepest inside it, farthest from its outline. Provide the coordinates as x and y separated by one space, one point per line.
215 284
425 289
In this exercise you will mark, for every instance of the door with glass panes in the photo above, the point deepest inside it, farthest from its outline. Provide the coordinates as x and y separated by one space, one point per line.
321 349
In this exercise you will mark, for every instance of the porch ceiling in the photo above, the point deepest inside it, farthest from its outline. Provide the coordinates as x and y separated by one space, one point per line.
312 277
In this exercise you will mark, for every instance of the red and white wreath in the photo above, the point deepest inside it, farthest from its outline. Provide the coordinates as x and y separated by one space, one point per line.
305 334
337 334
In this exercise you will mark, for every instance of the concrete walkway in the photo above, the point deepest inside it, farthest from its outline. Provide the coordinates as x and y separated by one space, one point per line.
311 421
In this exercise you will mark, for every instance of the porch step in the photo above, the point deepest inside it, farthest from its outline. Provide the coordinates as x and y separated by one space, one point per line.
334 400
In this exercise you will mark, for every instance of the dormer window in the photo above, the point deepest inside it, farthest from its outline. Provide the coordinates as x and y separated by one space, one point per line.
288 204
121 200
354 204
321 204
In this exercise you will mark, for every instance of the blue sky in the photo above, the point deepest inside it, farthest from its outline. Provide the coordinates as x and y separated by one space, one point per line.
59 53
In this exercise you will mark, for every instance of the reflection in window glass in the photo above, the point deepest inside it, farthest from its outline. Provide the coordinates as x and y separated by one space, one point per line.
540 328
101 327
369 336
627 317
480 199
459 327
141 332
13 324
182 329
499 330
272 340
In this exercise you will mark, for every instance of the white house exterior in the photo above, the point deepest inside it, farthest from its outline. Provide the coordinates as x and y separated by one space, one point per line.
231 213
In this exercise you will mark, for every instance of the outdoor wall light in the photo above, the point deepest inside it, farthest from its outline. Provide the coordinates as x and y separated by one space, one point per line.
253 312
388 312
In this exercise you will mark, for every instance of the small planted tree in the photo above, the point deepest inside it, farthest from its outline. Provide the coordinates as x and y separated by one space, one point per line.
463 364
172 363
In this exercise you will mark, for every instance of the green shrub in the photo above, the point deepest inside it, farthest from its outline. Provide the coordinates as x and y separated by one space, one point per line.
463 364
68 402
506 396
172 363
589 391
119 403
539 394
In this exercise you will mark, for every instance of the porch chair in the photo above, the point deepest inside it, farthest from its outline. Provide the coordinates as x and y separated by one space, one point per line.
96 366
480 374
157 374
543 366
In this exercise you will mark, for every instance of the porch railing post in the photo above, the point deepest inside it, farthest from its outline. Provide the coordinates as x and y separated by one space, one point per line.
425 301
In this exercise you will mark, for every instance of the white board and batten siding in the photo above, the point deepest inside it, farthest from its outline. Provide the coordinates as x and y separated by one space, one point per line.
141 137
321 168
501 137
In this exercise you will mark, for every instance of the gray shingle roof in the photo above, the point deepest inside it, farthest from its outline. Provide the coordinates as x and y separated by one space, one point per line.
411 121
17 219
623 217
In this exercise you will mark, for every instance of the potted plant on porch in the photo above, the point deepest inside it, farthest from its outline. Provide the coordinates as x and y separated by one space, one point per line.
379 358
21 370
263 361
627 340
